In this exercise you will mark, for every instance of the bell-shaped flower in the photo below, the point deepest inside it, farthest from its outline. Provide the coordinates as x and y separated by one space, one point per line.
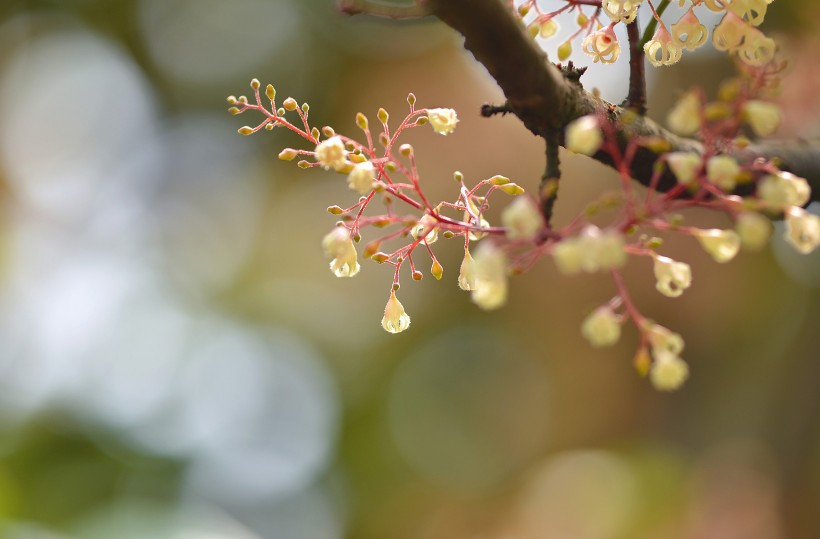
426 228
757 49
602 327
689 31
583 135
673 277
490 290
521 219
763 117
802 229
668 372
621 10
684 118
782 190
662 339
723 171
723 245
467 273
685 166
730 33
339 246
754 230
602 45
395 320
753 11
662 49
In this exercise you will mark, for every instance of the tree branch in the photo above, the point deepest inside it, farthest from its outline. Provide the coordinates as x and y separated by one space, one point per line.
546 101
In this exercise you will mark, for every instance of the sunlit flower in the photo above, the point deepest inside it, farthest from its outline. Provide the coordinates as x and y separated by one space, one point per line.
802 229
783 189
522 219
583 135
684 118
690 26
466 276
662 49
339 246
331 153
754 230
602 45
730 33
723 170
602 327
361 178
490 290
443 121
668 372
395 319
757 49
673 277
723 245
426 228
685 166
762 116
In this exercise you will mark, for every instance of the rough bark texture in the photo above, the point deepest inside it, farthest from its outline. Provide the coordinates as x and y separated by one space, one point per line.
546 101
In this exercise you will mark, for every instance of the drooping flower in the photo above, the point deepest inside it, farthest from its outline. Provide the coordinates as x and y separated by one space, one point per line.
668 372
602 45
730 33
490 290
602 327
361 178
592 250
331 153
762 116
754 230
621 10
522 219
802 229
684 118
395 320
723 245
757 49
442 121
662 339
662 49
673 277
684 165
723 171
339 246
783 189
467 273
583 135
689 26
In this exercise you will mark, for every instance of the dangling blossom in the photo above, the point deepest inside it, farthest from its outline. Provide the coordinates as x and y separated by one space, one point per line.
662 49
668 372
602 327
723 171
467 273
548 28
763 117
426 228
673 277
782 190
583 135
802 229
443 121
339 246
757 49
592 250
684 118
522 219
662 339
690 26
754 11
331 153
361 178
621 10
602 45
395 320
723 245
685 166
754 230
490 282
730 33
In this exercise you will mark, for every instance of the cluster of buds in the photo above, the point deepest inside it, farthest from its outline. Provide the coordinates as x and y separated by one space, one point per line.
736 33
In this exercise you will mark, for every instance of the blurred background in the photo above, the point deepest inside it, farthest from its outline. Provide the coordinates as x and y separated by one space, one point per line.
177 361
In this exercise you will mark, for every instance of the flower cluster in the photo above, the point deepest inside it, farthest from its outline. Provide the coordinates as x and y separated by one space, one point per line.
737 32
382 174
